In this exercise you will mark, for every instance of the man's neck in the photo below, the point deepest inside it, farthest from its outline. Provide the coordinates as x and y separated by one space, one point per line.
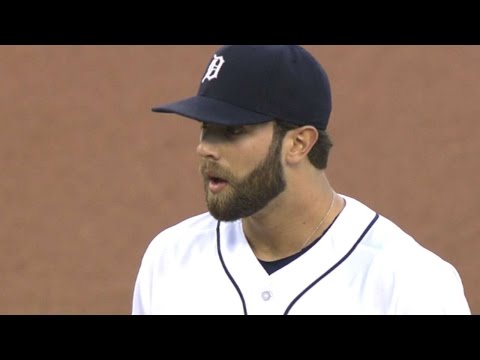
285 226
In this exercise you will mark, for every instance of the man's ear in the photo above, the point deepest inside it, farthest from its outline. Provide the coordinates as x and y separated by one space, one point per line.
299 142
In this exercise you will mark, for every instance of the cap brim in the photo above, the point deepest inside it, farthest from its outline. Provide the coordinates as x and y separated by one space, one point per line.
213 111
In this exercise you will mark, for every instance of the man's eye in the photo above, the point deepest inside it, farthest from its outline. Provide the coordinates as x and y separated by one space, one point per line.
234 130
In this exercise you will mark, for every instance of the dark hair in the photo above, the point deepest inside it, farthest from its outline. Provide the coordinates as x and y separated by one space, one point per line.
318 155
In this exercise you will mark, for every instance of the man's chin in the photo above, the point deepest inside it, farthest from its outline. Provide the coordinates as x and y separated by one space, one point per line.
221 214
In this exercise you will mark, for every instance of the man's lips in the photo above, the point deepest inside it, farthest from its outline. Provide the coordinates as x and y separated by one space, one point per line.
216 184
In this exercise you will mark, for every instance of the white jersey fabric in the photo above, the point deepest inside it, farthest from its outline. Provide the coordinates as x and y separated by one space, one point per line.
364 264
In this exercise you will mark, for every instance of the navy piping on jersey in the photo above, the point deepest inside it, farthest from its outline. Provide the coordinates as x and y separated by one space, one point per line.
227 272
289 307
333 267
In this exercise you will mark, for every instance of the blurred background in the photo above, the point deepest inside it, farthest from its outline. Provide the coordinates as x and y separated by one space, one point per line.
89 175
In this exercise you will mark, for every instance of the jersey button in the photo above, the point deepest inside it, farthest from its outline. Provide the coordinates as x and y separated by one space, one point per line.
266 295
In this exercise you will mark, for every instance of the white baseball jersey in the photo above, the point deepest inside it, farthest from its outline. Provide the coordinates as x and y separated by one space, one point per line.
363 264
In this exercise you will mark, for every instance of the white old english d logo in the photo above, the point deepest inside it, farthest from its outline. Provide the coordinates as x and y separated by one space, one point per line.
214 68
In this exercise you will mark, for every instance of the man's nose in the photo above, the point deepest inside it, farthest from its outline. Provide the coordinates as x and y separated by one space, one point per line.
207 149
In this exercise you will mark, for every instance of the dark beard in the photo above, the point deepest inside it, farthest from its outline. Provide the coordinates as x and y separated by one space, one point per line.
251 194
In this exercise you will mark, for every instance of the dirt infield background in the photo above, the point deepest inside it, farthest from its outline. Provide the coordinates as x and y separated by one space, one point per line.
89 175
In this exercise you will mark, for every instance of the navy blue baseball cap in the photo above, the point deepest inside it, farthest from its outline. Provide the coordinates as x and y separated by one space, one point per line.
250 84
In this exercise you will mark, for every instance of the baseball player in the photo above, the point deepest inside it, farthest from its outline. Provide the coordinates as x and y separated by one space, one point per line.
277 238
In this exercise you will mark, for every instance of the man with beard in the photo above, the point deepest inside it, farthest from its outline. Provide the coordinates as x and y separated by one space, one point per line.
277 238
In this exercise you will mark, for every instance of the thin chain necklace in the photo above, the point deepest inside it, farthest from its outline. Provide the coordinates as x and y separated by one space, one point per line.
320 223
